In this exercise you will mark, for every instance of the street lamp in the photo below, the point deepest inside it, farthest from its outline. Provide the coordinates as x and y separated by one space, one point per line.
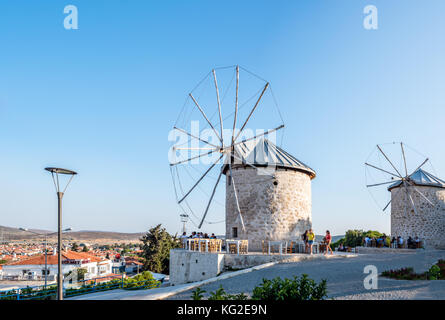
184 219
55 172
46 251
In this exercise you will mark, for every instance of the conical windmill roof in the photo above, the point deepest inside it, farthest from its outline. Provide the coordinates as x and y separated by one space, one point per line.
421 178
263 153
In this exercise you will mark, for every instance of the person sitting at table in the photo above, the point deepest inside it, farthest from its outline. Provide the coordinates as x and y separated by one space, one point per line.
379 242
193 235
410 243
417 242
206 236
400 241
366 241
341 247
213 236
393 242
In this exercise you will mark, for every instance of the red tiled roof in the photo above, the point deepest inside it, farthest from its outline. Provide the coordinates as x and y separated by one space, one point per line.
52 259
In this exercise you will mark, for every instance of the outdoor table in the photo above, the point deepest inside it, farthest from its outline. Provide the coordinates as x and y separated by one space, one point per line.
219 245
280 243
200 240
189 244
237 242
301 247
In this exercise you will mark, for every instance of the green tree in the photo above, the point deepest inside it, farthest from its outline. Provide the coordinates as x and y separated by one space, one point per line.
156 245
85 249
354 238
81 274
75 246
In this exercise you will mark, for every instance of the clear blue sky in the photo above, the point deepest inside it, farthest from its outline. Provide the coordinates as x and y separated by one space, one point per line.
102 99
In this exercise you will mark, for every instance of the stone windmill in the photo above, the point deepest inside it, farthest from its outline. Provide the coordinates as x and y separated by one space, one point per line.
417 201
273 193
268 194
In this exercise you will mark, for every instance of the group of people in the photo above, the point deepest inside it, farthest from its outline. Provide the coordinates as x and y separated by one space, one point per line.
309 238
396 242
195 235
412 243
375 242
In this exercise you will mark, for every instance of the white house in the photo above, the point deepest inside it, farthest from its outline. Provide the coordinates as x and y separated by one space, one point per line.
34 267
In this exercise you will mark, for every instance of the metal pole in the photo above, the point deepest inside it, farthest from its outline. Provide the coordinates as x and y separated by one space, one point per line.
59 248
46 261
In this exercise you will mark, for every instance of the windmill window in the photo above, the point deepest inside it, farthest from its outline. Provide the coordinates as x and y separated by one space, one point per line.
275 183
234 232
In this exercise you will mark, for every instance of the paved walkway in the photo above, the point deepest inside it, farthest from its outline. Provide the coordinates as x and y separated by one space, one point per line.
345 277
164 292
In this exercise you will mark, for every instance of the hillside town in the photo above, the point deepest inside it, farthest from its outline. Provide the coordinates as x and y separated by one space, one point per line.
26 261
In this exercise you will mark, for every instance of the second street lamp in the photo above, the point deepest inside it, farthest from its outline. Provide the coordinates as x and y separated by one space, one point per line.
55 172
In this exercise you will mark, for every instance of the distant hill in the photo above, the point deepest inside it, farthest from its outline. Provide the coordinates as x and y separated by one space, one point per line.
7 233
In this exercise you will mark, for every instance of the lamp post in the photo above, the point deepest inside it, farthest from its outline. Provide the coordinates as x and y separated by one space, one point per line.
55 175
46 251
184 219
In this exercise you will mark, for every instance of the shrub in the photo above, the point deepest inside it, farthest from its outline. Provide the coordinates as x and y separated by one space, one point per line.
144 280
290 289
434 272
197 294
218 294
441 265
403 274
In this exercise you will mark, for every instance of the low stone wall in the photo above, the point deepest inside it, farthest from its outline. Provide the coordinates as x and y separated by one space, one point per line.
235 261
189 266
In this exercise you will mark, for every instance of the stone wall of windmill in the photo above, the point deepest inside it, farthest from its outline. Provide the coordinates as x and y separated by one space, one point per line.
273 208
429 221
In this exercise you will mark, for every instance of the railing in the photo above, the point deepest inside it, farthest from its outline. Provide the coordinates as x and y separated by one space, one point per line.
202 244
79 288
21 277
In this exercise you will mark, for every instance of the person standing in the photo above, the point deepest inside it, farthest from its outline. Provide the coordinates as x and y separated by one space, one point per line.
304 237
183 239
310 239
328 243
